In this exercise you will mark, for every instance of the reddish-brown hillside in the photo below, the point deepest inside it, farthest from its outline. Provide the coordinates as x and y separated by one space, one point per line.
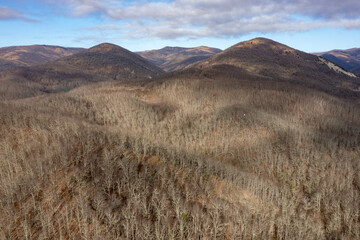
177 58
266 60
24 56
348 59
100 63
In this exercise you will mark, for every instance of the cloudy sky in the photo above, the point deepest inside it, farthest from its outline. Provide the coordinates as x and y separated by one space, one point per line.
137 25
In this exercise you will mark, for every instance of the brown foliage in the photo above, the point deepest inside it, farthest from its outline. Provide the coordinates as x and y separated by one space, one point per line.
180 159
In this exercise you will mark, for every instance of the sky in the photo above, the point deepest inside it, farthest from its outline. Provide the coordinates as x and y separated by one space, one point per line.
307 25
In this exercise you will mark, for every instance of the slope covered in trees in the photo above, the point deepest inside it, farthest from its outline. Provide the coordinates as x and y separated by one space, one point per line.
25 56
185 156
348 59
178 58
100 63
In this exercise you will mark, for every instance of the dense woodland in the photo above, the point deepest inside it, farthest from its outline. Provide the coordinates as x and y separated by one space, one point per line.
186 159
181 158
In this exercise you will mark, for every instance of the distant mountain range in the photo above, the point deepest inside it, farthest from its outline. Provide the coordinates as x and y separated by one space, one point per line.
100 63
177 58
168 58
273 63
347 59
24 56
259 59
112 61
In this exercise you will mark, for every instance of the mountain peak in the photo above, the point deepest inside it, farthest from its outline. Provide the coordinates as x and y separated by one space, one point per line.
272 61
208 49
24 56
108 59
261 40
171 49
105 47
258 50
176 58
263 43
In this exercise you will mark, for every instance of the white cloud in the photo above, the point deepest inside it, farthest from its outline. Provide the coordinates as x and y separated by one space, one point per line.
8 14
220 18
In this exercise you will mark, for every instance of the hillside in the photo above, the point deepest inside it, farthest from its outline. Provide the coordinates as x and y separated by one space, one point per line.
99 63
24 56
177 58
226 149
266 60
347 59
113 61
356 71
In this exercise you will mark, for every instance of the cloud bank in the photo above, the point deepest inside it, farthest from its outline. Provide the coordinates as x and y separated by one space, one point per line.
11 14
218 18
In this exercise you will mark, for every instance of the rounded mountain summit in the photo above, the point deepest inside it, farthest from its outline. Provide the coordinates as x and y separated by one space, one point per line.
113 61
